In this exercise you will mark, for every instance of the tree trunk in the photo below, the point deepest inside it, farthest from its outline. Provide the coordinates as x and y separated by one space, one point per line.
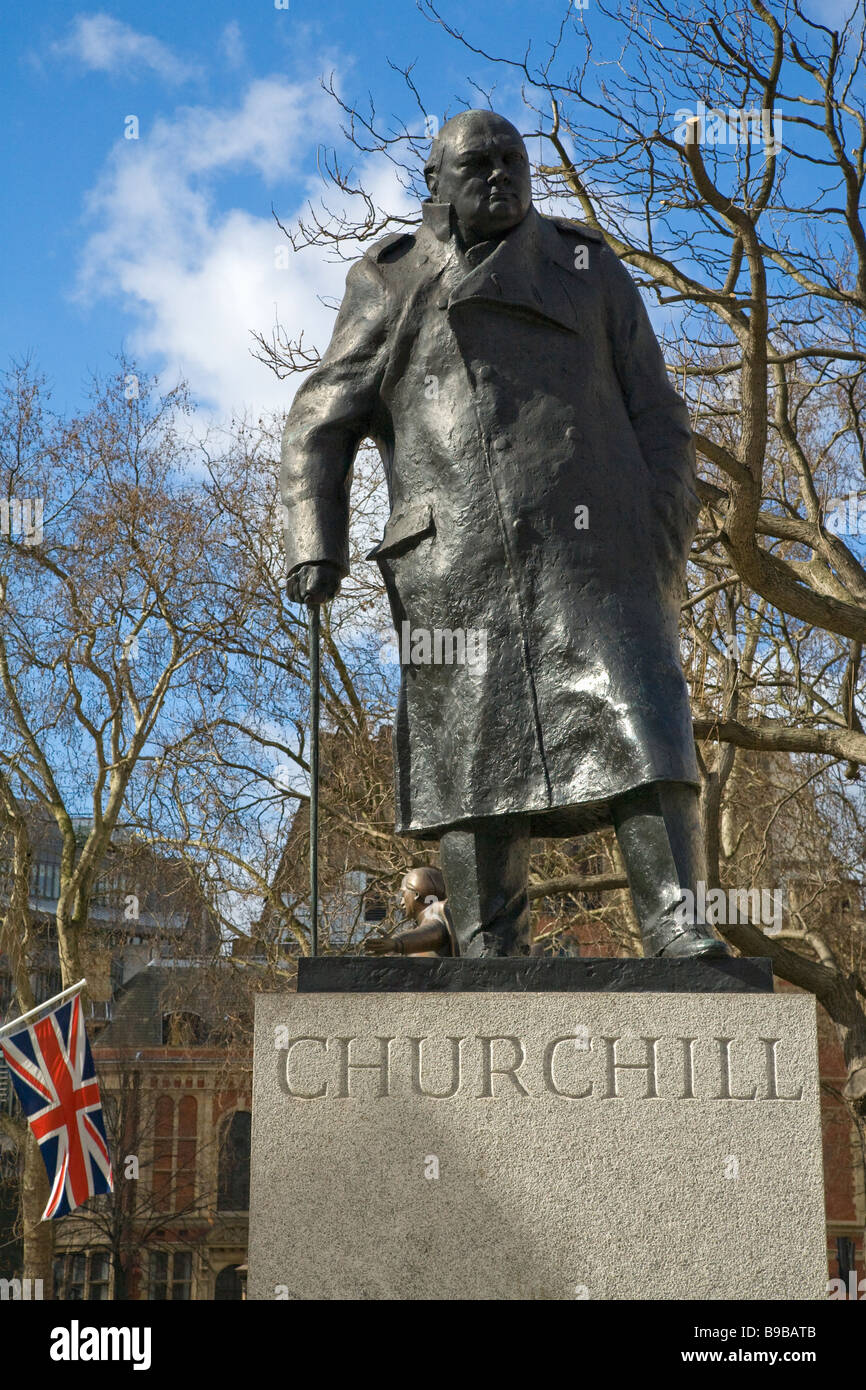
38 1234
121 1282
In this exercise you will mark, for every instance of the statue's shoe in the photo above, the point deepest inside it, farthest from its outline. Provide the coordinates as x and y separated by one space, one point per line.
495 945
695 943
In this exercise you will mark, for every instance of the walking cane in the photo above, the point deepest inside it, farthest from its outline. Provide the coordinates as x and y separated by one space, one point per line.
313 635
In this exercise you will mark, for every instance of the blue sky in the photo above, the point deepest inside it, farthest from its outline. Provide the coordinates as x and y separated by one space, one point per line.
164 246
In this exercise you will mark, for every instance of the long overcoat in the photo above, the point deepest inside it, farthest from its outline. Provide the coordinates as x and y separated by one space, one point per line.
540 471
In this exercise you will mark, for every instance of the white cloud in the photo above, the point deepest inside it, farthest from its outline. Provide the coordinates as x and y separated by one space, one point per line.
196 277
232 44
101 43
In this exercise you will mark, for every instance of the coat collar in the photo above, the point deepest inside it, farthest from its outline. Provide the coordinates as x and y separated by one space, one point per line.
438 218
518 271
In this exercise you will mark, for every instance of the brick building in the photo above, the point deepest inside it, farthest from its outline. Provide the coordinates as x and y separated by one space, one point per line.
145 906
174 1070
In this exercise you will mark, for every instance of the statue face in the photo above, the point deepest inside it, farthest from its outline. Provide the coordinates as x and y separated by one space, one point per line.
407 899
484 174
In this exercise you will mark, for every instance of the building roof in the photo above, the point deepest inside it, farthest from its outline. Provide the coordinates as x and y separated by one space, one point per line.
209 991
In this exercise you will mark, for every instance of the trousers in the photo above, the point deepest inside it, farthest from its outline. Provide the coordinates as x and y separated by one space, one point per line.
486 870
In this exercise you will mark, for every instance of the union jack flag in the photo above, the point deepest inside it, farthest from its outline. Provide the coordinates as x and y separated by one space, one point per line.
55 1080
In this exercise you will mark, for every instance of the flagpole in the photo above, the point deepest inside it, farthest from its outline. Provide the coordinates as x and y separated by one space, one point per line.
55 999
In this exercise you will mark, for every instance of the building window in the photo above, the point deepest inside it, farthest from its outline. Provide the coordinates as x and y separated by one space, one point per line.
77 1282
48 982
8 1098
82 1277
234 1164
181 1283
187 1119
229 1285
174 1153
99 1276
159 1260
183 1029
163 1136
170 1276
45 879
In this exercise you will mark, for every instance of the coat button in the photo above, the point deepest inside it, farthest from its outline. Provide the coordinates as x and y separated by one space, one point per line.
571 434
442 302
502 444
486 374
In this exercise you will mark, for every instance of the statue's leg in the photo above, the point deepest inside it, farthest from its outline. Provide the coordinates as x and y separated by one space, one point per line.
659 832
487 873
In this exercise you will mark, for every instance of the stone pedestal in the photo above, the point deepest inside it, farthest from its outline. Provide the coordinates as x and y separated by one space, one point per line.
536 1144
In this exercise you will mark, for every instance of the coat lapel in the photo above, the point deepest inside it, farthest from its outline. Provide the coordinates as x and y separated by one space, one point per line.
520 274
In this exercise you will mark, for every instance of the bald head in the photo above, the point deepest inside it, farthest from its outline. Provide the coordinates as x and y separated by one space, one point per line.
419 887
478 164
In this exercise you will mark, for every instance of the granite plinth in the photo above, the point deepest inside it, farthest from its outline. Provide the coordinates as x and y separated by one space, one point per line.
536 1145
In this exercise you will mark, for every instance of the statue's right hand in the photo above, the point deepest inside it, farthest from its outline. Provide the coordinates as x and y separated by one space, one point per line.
383 946
313 584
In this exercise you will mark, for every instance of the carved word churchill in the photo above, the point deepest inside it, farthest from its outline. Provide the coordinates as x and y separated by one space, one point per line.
494 1066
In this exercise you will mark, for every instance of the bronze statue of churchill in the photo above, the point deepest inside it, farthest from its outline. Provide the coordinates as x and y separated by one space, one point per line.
540 472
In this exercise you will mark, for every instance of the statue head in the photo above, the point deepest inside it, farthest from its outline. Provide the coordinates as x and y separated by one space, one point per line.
420 887
478 163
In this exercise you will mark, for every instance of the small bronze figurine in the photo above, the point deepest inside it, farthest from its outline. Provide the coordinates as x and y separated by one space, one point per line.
422 897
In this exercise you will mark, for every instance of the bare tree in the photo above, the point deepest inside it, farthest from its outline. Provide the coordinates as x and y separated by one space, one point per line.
109 629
